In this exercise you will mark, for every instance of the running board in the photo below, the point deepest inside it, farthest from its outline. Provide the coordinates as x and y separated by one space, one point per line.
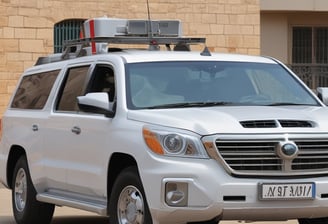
87 204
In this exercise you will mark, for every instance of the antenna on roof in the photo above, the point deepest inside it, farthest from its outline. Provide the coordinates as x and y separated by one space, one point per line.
153 45
150 30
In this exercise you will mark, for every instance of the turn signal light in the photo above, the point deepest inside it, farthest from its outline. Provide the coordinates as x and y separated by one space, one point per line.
152 141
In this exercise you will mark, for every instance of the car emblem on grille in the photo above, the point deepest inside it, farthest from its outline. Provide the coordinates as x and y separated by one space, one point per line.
287 150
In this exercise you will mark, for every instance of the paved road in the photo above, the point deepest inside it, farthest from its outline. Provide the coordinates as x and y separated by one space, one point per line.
64 215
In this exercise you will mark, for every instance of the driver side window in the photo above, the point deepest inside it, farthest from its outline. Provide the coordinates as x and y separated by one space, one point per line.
103 80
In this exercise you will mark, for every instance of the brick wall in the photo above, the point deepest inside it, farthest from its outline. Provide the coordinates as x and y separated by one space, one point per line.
26 27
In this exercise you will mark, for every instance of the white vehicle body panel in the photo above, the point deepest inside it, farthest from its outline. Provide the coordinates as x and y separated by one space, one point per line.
77 165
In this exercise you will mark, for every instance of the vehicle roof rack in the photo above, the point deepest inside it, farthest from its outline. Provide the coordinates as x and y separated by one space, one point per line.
99 33
100 43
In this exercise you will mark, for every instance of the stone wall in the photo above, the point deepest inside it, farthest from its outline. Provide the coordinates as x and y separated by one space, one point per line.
26 27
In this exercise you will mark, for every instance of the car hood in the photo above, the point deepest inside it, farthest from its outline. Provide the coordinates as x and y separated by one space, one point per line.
238 119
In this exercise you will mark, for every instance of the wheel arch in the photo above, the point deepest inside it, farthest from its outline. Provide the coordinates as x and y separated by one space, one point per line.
15 153
117 163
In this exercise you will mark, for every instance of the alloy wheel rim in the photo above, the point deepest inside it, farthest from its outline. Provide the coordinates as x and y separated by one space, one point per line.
130 209
20 190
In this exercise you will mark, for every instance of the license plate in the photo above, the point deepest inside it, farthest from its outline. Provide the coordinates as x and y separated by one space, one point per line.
287 191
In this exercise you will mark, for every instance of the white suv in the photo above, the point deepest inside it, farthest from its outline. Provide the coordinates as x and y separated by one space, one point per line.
152 136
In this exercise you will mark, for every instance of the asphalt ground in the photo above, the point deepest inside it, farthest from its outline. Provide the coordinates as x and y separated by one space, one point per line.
65 215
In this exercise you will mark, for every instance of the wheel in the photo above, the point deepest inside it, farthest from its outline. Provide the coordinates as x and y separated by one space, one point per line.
128 203
313 221
27 210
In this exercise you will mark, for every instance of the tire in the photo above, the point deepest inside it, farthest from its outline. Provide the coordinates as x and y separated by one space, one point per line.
313 221
27 210
127 204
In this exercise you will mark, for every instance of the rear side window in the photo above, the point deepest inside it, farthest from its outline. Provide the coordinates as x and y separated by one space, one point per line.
73 87
34 90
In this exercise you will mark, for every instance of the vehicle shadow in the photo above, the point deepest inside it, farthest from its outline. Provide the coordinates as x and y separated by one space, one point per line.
7 220
80 220
65 220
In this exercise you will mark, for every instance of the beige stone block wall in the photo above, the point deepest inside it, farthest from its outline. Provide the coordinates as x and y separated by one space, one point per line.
26 27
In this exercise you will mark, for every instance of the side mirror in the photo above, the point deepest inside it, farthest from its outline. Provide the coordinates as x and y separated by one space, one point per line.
96 103
322 93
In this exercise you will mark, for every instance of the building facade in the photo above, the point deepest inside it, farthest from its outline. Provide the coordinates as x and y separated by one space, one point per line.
27 27
296 32
293 31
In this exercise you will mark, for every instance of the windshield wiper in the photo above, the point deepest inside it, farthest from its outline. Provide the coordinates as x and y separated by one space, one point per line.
190 104
290 104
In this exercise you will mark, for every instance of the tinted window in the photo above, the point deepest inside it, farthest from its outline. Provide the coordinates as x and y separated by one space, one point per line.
34 90
73 88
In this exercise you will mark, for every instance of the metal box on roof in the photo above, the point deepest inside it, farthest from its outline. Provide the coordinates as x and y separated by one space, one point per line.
104 27
158 28
111 27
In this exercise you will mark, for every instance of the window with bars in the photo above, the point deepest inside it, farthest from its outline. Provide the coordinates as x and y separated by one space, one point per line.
310 45
66 30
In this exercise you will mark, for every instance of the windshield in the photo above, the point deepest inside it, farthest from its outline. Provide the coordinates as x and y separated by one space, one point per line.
213 83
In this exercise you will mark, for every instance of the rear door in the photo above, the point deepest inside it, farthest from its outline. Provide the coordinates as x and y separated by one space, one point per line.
27 116
60 135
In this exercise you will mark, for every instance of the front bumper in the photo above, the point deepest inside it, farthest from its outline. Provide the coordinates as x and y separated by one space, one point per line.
212 192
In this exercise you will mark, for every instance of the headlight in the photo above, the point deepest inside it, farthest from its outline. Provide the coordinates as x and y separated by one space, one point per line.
174 142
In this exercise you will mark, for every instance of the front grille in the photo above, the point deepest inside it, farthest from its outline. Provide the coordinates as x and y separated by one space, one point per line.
312 155
261 157
254 156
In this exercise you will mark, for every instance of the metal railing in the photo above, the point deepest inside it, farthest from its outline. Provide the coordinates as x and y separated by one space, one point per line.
66 30
312 74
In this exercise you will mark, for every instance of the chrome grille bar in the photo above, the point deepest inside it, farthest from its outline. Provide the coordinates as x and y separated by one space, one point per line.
249 155
260 157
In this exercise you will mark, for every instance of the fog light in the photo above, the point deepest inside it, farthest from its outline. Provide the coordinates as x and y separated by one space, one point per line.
176 194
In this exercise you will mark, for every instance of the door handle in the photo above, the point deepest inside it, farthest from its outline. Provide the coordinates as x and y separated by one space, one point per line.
76 130
35 127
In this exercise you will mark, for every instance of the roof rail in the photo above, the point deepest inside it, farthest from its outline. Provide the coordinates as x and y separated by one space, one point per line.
138 40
